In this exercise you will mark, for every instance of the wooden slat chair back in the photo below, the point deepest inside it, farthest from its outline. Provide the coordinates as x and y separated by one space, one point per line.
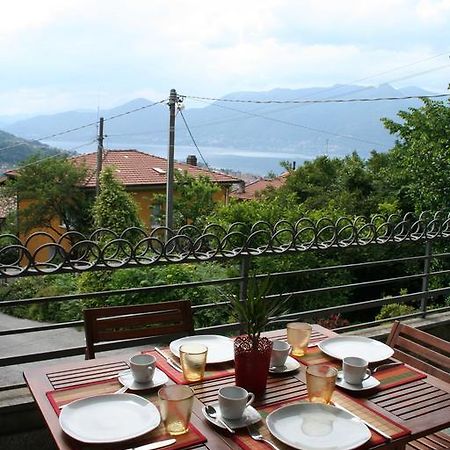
117 323
421 350
429 354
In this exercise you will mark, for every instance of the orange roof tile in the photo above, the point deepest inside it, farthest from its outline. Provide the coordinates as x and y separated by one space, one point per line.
252 189
136 168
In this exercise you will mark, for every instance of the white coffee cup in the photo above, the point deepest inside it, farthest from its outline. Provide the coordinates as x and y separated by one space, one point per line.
355 370
280 352
233 400
142 367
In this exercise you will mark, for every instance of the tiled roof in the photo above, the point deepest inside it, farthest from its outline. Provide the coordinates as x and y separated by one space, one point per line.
255 187
136 168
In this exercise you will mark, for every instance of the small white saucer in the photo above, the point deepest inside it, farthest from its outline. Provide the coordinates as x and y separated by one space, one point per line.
126 378
370 383
249 417
290 365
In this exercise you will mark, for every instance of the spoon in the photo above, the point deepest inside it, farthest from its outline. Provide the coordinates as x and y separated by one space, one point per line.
211 411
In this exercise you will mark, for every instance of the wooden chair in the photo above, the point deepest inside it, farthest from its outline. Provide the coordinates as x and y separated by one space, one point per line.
422 350
118 323
429 354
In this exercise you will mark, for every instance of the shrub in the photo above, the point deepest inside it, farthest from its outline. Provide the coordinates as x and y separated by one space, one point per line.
394 310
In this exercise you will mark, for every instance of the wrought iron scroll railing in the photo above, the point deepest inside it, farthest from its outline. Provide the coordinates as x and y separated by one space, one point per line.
104 249
42 253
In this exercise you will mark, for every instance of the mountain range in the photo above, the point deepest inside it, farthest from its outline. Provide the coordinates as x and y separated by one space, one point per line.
304 130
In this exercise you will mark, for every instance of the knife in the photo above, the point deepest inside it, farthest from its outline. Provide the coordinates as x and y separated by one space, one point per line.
368 424
154 445
169 361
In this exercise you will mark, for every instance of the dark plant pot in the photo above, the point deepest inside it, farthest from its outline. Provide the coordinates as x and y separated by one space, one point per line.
252 364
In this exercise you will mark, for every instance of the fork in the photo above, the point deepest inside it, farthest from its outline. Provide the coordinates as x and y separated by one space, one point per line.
256 435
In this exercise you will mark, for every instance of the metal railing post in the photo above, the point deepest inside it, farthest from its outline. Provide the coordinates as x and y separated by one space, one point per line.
243 284
426 278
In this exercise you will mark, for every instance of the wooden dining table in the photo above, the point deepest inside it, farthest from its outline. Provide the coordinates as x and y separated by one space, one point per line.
421 406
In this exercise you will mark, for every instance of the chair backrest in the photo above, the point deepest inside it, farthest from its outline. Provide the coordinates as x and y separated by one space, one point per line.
118 323
421 350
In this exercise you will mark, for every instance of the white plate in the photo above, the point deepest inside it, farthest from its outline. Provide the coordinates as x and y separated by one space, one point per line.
313 426
342 346
370 383
220 348
109 418
290 365
159 378
249 417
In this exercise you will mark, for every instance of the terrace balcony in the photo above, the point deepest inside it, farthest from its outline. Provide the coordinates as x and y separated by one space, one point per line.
408 261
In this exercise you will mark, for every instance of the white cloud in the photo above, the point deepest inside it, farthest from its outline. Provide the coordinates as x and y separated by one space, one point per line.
73 49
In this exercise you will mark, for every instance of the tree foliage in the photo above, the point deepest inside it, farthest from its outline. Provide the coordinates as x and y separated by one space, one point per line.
53 189
114 208
193 200
420 160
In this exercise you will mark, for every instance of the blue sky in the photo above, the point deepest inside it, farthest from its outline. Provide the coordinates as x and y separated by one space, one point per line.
80 54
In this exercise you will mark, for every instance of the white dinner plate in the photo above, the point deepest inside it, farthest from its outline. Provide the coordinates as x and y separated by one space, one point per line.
342 346
109 418
370 383
159 378
290 365
250 416
220 348
313 426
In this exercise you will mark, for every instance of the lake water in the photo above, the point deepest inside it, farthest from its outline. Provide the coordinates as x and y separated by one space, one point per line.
245 161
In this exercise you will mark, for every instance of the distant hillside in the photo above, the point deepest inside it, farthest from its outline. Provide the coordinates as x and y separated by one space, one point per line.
306 130
10 157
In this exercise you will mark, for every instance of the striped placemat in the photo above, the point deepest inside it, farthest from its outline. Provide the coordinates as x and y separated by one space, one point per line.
314 356
243 439
61 397
212 372
397 376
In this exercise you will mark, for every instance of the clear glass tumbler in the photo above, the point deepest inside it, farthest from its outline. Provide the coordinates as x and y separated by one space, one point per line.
298 334
320 383
175 403
193 361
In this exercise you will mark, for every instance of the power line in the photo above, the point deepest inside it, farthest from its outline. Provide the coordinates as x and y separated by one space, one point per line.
135 110
71 130
285 122
301 102
192 138
55 156
334 88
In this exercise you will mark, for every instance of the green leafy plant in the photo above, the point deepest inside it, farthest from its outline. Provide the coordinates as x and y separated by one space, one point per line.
256 312
394 310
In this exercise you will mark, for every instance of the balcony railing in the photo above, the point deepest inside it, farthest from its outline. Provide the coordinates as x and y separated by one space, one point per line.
240 244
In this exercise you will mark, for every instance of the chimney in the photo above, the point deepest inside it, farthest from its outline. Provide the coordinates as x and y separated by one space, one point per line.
191 160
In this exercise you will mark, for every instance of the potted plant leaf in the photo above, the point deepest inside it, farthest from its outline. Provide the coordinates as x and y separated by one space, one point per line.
252 351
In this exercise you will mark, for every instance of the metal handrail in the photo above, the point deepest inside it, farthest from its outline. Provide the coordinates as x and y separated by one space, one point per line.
214 243
106 250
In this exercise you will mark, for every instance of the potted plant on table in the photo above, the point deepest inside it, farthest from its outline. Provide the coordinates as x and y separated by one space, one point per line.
252 351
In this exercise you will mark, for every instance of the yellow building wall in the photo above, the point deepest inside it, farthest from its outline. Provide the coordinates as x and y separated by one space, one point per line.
35 243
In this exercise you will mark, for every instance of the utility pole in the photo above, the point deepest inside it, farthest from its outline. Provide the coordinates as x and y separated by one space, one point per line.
173 99
99 156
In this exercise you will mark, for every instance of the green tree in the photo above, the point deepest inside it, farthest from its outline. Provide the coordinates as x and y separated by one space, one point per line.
314 182
421 155
193 199
343 184
114 208
53 188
